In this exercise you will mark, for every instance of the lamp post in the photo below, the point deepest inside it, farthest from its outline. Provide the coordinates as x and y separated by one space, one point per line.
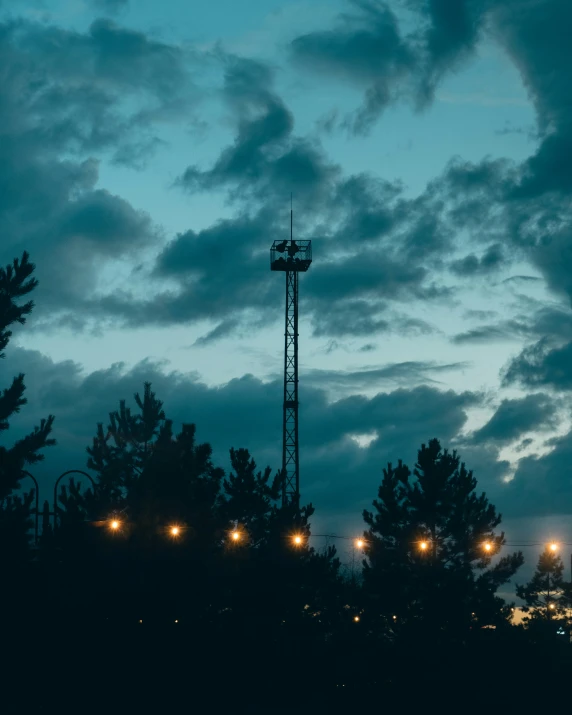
36 510
70 471
53 513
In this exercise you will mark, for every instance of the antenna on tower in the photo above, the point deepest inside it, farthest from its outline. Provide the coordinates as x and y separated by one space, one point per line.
290 215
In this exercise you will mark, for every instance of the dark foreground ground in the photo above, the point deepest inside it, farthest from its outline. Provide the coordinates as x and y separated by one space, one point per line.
83 670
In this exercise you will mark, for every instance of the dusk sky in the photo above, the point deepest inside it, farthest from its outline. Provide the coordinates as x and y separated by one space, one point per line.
147 156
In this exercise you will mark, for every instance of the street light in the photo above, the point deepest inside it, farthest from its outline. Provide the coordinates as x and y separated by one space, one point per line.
54 513
114 524
487 546
553 546
360 543
175 530
297 539
235 535
423 545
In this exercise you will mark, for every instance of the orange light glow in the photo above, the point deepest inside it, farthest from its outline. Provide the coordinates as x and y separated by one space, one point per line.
297 539
356 619
553 546
487 546
175 531
235 535
551 606
114 524
360 543
423 545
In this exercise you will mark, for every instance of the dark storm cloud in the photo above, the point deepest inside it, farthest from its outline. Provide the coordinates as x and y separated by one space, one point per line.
514 418
403 373
367 49
222 276
540 365
535 229
222 330
369 208
353 221
528 204
534 34
480 314
108 56
369 273
451 35
107 221
472 265
243 413
505 330
549 320
352 317
541 484
218 267
529 279
70 93
373 212
524 444
266 160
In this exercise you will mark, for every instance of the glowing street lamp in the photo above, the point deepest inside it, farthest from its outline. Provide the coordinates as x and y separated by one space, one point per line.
360 543
356 619
487 546
235 536
553 547
114 524
423 545
297 539
175 531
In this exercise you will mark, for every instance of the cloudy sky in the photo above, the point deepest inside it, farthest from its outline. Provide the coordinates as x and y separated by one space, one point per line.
147 155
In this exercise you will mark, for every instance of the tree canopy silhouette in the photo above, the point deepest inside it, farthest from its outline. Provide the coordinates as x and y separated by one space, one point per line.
429 553
14 509
546 597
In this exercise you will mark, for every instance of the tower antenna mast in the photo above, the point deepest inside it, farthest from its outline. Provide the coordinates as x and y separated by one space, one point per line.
299 258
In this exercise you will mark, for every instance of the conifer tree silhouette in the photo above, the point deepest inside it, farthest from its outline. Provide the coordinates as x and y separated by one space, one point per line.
545 596
14 509
426 563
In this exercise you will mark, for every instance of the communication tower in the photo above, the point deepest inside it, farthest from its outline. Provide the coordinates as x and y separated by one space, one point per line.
291 257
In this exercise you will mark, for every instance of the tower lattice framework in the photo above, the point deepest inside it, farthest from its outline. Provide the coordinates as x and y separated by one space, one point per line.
299 259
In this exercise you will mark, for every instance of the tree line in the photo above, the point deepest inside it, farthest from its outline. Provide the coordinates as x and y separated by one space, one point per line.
169 570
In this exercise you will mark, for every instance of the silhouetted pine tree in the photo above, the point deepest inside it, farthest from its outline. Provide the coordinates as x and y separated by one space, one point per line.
545 596
249 498
280 593
15 519
447 588
149 481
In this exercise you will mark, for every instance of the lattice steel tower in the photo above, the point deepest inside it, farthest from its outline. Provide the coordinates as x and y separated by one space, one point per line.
299 258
